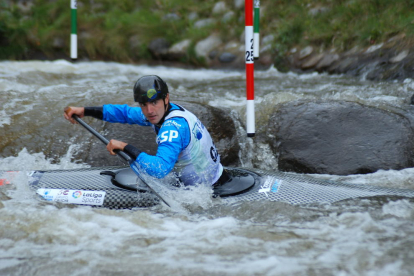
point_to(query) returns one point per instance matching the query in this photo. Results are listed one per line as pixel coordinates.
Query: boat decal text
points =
(73, 196)
(271, 185)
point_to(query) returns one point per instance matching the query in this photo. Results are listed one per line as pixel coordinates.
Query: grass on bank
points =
(122, 30)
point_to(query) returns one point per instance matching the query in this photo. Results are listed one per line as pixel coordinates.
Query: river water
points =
(353, 237)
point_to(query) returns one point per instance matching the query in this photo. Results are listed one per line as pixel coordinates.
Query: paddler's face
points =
(154, 111)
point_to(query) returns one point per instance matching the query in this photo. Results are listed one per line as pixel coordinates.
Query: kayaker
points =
(184, 144)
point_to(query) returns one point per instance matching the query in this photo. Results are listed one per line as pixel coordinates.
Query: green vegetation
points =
(122, 30)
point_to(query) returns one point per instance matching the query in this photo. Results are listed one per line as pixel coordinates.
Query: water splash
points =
(26, 161)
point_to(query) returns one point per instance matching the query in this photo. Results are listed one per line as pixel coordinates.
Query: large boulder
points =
(217, 121)
(338, 137)
(159, 48)
(205, 46)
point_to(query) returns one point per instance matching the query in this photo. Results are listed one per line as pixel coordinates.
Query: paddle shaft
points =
(120, 153)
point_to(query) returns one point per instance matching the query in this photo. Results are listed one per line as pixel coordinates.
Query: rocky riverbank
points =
(392, 60)
(337, 38)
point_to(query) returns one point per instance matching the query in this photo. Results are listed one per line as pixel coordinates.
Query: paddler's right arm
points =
(110, 113)
(95, 111)
(124, 114)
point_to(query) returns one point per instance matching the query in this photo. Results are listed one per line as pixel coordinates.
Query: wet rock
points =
(217, 121)
(344, 65)
(179, 49)
(327, 61)
(408, 64)
(204, 23)
(192, 16)
(337, 137)
(159, 48)
(219, 7)
(307, 51)
(376, 63)
(399, 57)
(205, 46)
(228, 17)
(238, 4)
(312, 61)
(233, 46)
(355, 50)
(227, 57)
(213, 54)
(396, 38)
(385, 71)
(373, 48)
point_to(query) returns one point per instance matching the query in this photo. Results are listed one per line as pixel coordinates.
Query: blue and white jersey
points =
(184, 144)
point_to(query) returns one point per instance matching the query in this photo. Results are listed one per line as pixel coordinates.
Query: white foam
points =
(400, 208)
(52, 88)
(7, 85)
(26, 161)
(4, 118)
(112, 68)
(383, 178)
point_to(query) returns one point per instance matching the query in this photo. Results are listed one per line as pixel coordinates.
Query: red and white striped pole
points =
(250, 121)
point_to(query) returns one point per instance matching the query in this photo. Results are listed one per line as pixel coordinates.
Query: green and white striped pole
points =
(73, 33)
(256, 27)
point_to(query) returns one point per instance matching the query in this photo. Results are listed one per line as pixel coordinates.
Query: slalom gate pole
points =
(73, 33)
(250, 120)
(256, 28)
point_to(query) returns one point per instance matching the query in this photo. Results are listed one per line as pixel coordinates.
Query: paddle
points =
(122, 154)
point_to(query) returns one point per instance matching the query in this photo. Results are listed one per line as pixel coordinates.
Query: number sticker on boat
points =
(81, 197)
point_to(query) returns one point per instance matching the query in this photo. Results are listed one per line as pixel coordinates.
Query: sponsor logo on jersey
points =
(168, 135)
(198, 130)
(213, 153)
(171, 123)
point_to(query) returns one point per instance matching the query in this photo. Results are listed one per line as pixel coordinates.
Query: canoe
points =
(119, 188)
